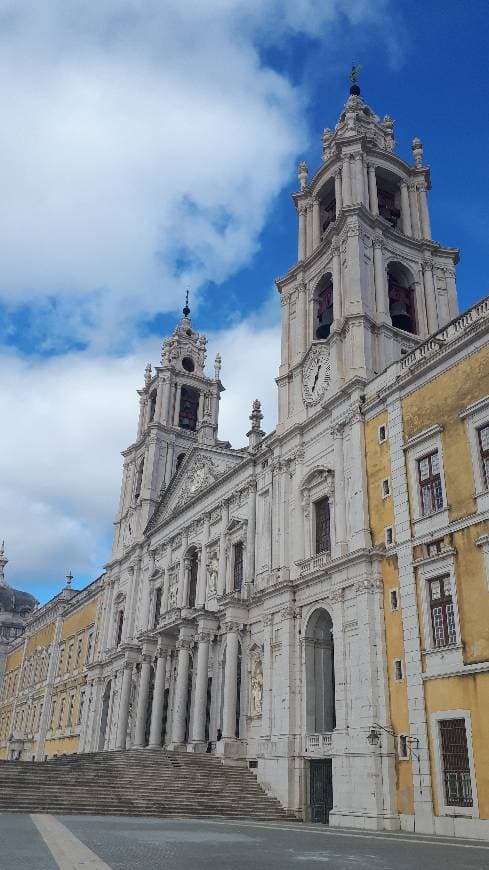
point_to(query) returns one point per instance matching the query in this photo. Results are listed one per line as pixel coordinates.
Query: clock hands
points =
(316, 378)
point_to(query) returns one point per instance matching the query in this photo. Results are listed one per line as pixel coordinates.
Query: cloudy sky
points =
(147, 146)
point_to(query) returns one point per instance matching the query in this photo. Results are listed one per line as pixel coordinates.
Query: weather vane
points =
(186, 310)
(355, 70)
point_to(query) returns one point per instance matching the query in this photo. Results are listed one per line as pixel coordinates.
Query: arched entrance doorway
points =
(320, 711)
(104, 715)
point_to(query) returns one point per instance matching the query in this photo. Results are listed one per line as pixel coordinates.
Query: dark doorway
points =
(321, 790)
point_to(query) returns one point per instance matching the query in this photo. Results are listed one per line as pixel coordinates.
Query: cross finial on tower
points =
(354, 73)
(69, 578)
(186, 310)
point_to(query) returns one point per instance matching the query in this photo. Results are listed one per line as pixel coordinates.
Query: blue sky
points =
(139, 158)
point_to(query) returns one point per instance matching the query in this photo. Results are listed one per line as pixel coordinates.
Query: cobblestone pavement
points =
(120, 843)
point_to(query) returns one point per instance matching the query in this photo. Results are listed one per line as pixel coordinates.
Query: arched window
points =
(189, 406)
(401, 294)
(388, 197)
(327, 205)
(322, 523)
(238, 566)
(139, 480)
(152, 406)
(324, 306)
(320, 680)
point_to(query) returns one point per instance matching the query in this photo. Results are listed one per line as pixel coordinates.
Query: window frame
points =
(398, 670)
(439, 660)
(430, 484)
(238, 546)
(445, 809)
(324, 499)
(476, 417)
(442, 603)
(417, 448)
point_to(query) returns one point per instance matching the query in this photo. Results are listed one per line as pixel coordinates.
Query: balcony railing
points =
(314, 563)
(319, 744)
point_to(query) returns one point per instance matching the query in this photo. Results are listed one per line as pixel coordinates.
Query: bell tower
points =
(178, 408)
(370, 282)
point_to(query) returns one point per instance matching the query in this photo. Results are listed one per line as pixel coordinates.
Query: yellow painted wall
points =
(41, 638)
(473, 594)
(440, 402)
(79, 620)
(381, 510)
(14, 659)
(468, 692)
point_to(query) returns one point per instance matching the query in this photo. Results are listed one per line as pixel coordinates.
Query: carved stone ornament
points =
(316, 375)
(212, 573)
(202, 473)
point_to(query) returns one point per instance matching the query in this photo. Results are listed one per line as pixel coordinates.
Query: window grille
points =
(442, 612)
(323, 536)
(484, 450)
(238, 566)
(430, 491)
(455, 759)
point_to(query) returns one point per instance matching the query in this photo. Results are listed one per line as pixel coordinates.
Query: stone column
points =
(250, 536)
(142, 414)
(133, 600)
(405, 210)
(284, 333)
(452, 293)
(335, 250)
(359, 195)
(346, 182)
(301, 254)
(199, 702)
(424, 212)
(221, 585)
(298, 518)
(230, 682)
(372, 190)
(267, 675)
(181, 691)
(339, 491)
(142, 705)
(124, 706)
(301, 338)
(143, 622)
(163, 405)
(178, 395)
(309, 230)
(316, 223)
(338, 192)
(413, 203)
(202, 579)
(109, 599)
(430, 296)
(182, 573)
(158, 698)
(381, 300)
(359, 521)
(48, 690)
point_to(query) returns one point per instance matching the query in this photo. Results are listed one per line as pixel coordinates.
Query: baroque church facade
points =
(274, 604)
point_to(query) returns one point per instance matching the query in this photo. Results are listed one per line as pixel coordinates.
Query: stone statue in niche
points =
(212, 574)
(257, 689)
(173, 591)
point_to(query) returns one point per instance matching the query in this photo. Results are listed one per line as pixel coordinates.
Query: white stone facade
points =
(233, 616)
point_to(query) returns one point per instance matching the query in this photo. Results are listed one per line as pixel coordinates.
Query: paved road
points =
(117, 843)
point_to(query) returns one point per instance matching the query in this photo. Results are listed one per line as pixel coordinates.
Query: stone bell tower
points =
(179, 408)
(369, 282)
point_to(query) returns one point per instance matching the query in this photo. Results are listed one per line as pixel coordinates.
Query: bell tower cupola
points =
(178, 408)
(370, 282)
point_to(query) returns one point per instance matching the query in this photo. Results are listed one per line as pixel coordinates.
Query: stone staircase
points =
(136, 782)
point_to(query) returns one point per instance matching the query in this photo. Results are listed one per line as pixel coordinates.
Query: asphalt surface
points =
(122, 843)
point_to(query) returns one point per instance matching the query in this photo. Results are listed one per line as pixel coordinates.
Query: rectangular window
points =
(88, 655)
(484, 452)
(323, 537)
(60, 660)
(386, 488)
(403, 746)
(455, 760)
(434, 548)
(53, 713)
(238, 566)
(69, 656)
(69, 721)
(398, 674)
(157, 612)
(442, 612)
(80, 706)
(78, 652)
(394, 599)
(382, 434)
(430, 491)
(61, 709)
(389, 536)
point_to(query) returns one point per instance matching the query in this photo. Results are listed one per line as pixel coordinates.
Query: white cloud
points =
(69, 418)
(138, 135)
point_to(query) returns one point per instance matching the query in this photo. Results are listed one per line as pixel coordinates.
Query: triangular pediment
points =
(201, 469)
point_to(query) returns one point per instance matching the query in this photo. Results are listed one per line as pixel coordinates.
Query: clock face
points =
(315, 376)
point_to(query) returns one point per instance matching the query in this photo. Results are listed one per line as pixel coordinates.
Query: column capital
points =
(427, 265)
(230, 627)
(184, 643)
(378, 241)
(203, 637)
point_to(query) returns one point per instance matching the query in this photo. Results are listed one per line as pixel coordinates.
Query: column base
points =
(231, 747)
(364, 821)
(197, 746)
(177, 747)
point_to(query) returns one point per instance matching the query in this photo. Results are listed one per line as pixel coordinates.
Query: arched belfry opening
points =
(324, 306)
(327, 205)
(401, 292)
(189, 406)
(320, 680)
